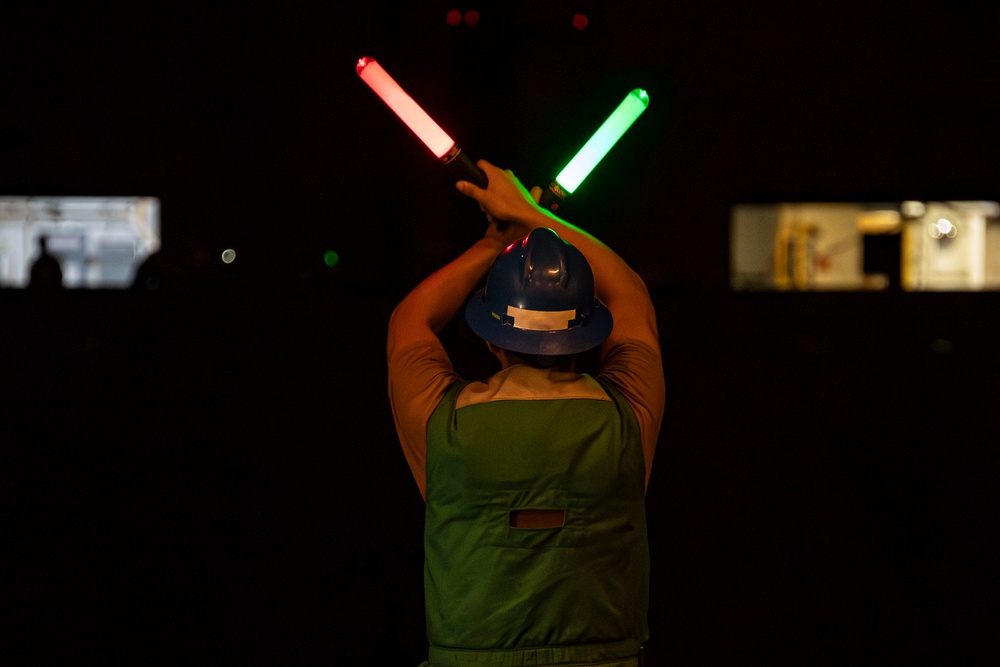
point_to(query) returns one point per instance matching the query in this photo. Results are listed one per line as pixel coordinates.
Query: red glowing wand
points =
(429, 132)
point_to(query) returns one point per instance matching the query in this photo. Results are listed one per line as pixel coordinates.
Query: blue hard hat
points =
(539, 299)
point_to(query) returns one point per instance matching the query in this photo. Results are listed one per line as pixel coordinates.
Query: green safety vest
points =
(493, 587)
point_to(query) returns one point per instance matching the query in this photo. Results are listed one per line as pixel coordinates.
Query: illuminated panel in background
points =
(99, 242)
(914, 245)
(403, 105)
(606, 136)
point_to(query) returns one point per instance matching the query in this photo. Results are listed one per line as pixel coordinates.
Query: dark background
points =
(209, 469)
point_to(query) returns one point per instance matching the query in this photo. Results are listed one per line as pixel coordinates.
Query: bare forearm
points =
(618, 286)
(506, 199)
(437, 299)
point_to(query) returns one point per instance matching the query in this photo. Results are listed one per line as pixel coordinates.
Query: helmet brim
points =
(490, 328)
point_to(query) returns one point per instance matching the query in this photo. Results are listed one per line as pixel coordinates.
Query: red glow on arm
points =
(580, 21)
(454, 17)
(403, 105)
(471, 18)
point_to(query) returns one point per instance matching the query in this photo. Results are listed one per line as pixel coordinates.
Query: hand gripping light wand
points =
(429, 132)
(595, 149)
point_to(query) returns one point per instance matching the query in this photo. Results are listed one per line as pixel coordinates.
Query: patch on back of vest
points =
(537, 518)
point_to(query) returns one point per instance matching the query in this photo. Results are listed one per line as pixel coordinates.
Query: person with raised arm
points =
(534, 478)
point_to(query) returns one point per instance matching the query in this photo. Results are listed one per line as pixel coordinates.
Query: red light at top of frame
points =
(580, 21)
(454, 17)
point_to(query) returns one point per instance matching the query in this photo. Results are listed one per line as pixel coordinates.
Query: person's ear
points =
(498, 352)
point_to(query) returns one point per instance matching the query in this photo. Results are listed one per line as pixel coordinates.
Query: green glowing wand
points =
(595, 149)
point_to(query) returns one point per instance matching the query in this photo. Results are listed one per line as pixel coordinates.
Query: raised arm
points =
(618, 286)
(630, 356)
(420, 371)
(437, 299)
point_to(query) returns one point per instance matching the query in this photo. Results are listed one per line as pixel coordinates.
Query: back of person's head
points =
(539, 301)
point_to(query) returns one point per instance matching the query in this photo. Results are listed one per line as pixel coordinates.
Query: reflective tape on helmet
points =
(540, 320)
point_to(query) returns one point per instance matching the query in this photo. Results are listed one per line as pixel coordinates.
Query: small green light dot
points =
(331, 258)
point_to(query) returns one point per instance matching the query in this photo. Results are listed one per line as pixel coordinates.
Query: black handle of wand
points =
(466, 166)
(552, 197)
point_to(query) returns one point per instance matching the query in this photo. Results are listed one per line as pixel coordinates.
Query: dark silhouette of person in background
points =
(46, 272)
